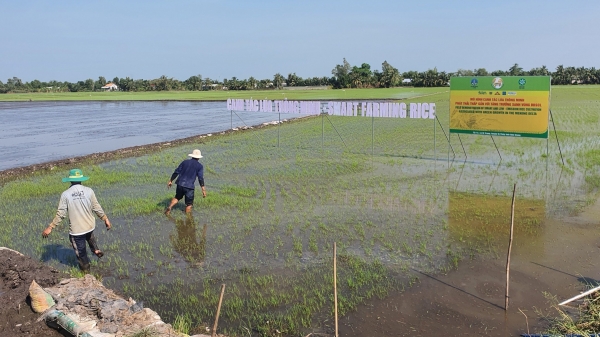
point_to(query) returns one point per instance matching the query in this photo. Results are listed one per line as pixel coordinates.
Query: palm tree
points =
(278, 81)
(559, 76)
(252, 83)
(515, 70)
(162, 83)
(207, 84)
(293, 80)
(390, 76)
(194, 82)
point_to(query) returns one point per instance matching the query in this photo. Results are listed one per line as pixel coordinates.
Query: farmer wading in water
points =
(80, 203)
(187, 171)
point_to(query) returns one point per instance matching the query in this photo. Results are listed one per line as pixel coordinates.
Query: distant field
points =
(387, 93)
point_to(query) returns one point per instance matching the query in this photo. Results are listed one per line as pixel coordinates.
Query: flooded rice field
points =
(421, 229)
(36, 132)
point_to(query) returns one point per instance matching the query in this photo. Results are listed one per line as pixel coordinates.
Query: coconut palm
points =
(278, 81)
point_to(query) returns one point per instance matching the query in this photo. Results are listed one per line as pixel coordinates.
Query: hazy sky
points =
(76, 40)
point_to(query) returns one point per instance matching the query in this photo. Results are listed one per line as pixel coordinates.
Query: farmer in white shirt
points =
(80, 203)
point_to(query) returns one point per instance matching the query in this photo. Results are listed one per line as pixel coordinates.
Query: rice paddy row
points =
(382, 189)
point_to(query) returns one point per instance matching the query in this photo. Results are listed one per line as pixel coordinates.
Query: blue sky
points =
(76, 40)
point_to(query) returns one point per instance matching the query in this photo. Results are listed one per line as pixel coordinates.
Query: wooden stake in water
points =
(512, 222)
(335, 288)
(214, 332)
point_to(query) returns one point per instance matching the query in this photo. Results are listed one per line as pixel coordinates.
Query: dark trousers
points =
(78, 243)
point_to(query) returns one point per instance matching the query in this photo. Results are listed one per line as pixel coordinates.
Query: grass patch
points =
(182, 324)
(239, 191)
(145, 332)
(584, 322)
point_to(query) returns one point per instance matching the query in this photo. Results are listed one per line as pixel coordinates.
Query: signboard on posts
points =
(516, 106)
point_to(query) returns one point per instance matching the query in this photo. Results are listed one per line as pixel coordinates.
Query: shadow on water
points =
(163, 204)
(185, 240)
(454, 287)
(59, 253)
(588, 281)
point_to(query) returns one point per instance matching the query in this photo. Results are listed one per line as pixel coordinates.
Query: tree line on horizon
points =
(343, 76)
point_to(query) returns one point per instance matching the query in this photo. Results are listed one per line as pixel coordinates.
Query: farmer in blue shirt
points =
(187, 171)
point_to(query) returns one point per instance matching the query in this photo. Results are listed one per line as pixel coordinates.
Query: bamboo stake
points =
(335, 304)
(512, 222)
(214, 332)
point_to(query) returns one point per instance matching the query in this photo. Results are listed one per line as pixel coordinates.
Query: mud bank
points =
(16, 273)
(85, 300)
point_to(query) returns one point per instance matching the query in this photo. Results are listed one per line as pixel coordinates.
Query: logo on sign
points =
(497, 83)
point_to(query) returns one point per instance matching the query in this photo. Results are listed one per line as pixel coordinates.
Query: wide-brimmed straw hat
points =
(196, 154)
(75, 175)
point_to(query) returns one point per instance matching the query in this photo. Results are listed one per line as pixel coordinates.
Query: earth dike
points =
(95, 310)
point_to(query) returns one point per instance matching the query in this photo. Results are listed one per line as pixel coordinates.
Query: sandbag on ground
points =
(40, 299)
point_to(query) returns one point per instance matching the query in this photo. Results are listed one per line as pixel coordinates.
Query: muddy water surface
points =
(470, 301)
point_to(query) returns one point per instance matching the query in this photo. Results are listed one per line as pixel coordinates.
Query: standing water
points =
(37, 132)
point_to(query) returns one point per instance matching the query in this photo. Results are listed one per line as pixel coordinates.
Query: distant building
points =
(110, 87)
(407, 81)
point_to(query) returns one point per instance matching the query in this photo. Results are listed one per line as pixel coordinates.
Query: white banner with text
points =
(336, 108)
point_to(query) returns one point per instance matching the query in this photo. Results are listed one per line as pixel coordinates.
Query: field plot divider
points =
(547, 152)
(496, 147)
(335, 303)
(434, 144)
(463, 147)
(510, 240)
(494, 177)
(252, 129)
(449, 143)
(557, 142)
(322, 131)
(336, 131)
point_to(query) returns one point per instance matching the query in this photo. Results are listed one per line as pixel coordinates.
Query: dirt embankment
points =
(96, 310)
(133, 151)
(16, 273)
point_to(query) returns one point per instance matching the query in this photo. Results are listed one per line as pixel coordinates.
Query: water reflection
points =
(485, 218)
(185, 241)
